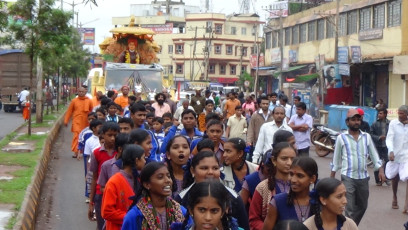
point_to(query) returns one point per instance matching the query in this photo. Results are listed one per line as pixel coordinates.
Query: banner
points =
(275, 55)
(332, 77)
(87, 35)
(293, 56)
(278, 9)
(253, 63)
(160, 29)
(344, 69)
(342, 56)
(355, 54)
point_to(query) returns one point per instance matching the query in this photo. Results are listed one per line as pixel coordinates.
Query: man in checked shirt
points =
(350, 156)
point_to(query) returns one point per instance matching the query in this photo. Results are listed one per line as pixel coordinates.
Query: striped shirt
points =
(350, 155)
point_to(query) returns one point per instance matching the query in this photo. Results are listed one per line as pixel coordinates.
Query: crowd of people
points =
(237, 163)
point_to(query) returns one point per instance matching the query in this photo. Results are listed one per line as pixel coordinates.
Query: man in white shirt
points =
(22, 96)
(284, 102)
(293, 108)
(265, 138)
(301, 123)
(397, 144)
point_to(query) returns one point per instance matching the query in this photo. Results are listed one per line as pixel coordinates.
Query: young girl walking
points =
(295, 205)
(177, 155)
(278, 164)
(329, 200)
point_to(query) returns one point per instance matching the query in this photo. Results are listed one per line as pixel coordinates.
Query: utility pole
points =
(281, 48)
(207, 55)
(240, 61)
(336, 38)
(194, 50)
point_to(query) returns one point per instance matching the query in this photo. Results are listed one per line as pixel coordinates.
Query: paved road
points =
(63, 205)
(9, 122)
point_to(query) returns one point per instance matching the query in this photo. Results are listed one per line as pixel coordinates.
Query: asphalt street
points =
(63, 207)
(9, 122)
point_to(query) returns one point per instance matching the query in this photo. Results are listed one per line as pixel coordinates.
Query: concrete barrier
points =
(28, 212)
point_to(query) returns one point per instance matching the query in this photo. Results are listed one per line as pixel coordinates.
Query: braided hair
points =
(324, 188)
(168, 161)
(239, 145)
(273, 156)
(309, 166)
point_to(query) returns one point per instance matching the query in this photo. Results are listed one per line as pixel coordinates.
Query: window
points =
(295, 35)
(330, 32)
(233, 69)
(179, 48)
(274, 39)
(218, 28)
(179, 68)
(229, 49)
(217, 48)
(253, 31)
(303, 33)
(287, 36)
(208, 27)
(170, 49)
(211, 69)
(244, 51)
(320, 29)
(342, 25)
(311, 31)
(365, 18)
(243, 31)
(160, 49)
(233, 30)
(170, 67)
(352, 22)
(268, 40)
(379, 16)
(243, 69)
(222, 69)
(394, 13)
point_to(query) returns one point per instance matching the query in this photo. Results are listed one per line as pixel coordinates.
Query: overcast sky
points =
(100, 17)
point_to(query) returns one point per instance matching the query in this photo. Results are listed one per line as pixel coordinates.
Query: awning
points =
(224, 80)
(302, 78)
(290, 69)
(265, 68)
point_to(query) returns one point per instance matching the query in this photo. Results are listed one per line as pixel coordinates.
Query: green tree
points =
(245, 77)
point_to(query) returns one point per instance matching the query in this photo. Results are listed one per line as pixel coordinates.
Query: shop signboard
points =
(371, 34)
(253, 62)
(342, 56)
(344, 69)
(355, 54)
(278, 9)
(275, 55)
(160, 29)
(293, 56)
(87, 35)
(332, 77)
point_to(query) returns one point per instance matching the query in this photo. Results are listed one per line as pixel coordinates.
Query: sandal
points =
(395, 205)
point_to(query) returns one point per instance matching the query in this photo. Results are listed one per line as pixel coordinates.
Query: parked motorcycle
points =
(324, 139)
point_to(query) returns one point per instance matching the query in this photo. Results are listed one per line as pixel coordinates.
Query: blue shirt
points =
(174, 131)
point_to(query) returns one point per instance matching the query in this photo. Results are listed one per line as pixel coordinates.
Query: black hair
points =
(167, 124)
(278, 107)
(238, 107)
(240, 145)
(273, 94)
(137, 136)
(277, 149)
(264, 98)
(188, 111)
(150, 114)
(209, 102)
(131, 152)
(324, 188)
(127, 120)
(281, 136)
(290, 225)
(133, 98)
(213, 122)
(110, 125)
(188, 177)
(110, 93)
(284, 98)
(156, 97)
(301, 105)
(150, 109)
(105, 101)
(158, 119)
(214, 189)
(309, 166)
(205, 143)
(212, 116)
(169, 166)
(92, 114)
(101, 110)
(137, 107)
(94, 124)
(297, 98)
(167, 115)
(384, 110)
(111, 104)
(121, 140)
(146, 173)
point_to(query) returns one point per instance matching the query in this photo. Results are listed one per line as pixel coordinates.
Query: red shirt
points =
(99, 156)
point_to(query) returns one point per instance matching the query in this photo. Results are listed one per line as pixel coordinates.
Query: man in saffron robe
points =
(78, 109)
(123, 100)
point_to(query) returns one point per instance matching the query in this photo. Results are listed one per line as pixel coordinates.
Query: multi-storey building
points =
(372, 34)
(201, 46)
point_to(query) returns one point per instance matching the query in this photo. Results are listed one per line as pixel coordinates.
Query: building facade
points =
(370, 35)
